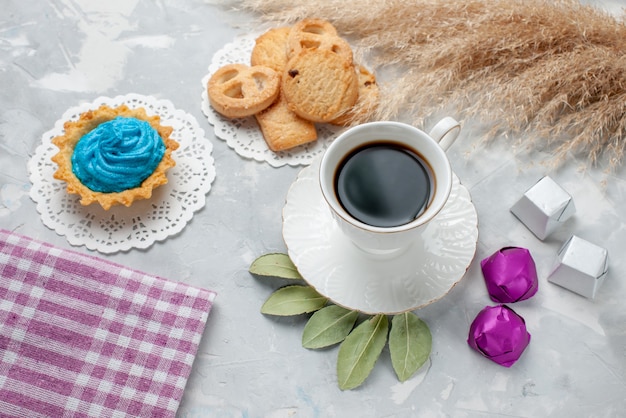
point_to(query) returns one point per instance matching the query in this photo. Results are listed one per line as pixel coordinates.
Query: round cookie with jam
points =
(114, 156)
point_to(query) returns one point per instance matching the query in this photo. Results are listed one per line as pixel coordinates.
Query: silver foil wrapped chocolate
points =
(581, 267)
(544, 207)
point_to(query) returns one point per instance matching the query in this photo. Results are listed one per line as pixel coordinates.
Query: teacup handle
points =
(445, 132)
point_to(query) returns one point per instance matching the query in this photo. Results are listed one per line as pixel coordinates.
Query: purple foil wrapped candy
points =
(499, 334)
(510, 275)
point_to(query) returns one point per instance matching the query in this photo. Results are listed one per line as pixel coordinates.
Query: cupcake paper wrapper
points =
(80, 336)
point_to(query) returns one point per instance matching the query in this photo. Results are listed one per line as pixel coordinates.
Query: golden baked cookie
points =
(238, 90)
(319, 85)
(283, 129)
(270, 49)
(316, 34)
(366, 103)
(109, 148)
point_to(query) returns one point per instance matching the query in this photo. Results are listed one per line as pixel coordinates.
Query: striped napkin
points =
(82, 337)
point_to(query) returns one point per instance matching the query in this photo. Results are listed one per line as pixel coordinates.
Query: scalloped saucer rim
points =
(319, 250)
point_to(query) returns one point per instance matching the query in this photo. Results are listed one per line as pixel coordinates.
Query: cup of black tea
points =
(384, 181)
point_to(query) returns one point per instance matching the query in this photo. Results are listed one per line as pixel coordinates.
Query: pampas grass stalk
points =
(550, 71)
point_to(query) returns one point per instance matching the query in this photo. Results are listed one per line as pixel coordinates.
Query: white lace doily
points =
(145, 221)
(243, 134)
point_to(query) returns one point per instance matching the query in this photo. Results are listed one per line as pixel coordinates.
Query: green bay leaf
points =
(328, 326)
(293, 300)
(275, 265)
(360, 350)
(410, 343)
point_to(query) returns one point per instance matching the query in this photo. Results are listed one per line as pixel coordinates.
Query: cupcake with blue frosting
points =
(114, 156)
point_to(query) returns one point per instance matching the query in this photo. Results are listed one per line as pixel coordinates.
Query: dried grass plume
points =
(554, 69)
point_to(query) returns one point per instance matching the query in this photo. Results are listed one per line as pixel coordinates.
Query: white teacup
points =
(389, 240)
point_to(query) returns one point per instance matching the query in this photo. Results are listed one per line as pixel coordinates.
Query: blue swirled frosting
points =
(117, 155)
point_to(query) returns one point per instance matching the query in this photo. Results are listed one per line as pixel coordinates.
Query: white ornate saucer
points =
(337, 269)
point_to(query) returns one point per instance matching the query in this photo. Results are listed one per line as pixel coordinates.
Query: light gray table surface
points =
(56, 54)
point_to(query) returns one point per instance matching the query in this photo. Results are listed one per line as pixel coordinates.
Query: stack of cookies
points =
(298, 76)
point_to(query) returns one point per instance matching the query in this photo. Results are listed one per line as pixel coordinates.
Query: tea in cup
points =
(384, 181)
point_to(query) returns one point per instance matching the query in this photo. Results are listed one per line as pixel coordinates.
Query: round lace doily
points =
(243, 134)
(145, 221)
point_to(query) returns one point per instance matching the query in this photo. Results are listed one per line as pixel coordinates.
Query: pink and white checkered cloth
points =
(82, 337)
